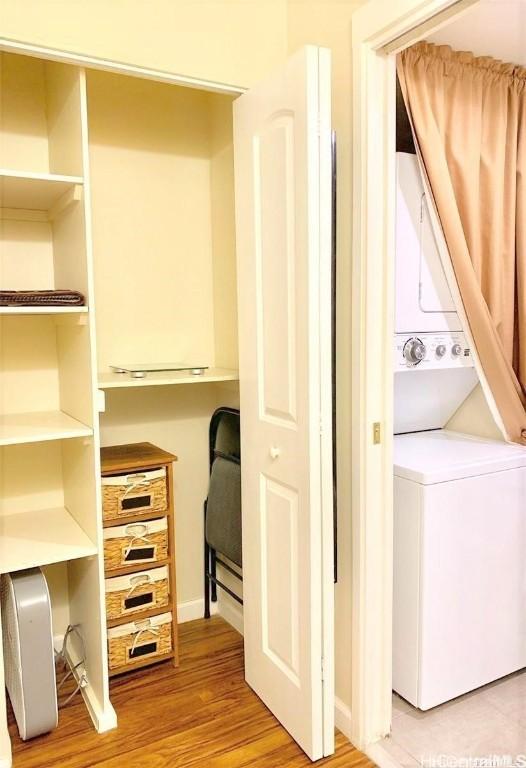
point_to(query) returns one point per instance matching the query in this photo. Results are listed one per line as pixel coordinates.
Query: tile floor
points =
(489, 721)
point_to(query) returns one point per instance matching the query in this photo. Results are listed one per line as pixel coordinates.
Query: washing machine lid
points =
(441, 455)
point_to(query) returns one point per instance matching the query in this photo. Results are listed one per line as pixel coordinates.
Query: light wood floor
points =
(202, 714)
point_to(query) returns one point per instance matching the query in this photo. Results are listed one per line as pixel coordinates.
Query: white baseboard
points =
(190, 610)
(377, 752)
(342, 717)
(231, 612)
(380, 755)
(227, 609)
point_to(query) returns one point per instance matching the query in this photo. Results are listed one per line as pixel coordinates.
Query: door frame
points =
(380, 29)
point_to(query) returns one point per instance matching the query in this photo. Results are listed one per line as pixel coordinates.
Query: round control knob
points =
(456, 350)
(440, 351)
(414, 351)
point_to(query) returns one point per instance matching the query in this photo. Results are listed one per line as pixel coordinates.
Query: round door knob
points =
(274, 452)
(456, 350)
(414, 351)
(440, 350)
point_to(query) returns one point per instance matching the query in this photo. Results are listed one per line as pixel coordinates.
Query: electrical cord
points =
(73, 671)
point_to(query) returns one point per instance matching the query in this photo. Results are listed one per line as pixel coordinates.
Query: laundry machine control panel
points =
(427, 351)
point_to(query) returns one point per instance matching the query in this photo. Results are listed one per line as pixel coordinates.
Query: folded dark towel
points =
(41, 298)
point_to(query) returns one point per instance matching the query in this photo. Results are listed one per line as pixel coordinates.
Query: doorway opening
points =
(459, 639)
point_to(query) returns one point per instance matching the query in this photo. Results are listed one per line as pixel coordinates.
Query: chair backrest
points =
(223, 511)
(224, 437)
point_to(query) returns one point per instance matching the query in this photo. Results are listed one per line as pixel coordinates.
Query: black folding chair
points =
(222, 508)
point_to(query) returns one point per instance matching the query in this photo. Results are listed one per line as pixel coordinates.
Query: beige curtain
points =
(469, 118)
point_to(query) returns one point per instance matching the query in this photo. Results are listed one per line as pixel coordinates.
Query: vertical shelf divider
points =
(87, 597)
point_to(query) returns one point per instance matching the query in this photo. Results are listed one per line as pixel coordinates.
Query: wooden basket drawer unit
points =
(136, 592)
(134, 493)
(138, 641)
(136, 543)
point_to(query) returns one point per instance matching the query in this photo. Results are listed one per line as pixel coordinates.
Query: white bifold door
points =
(282, 142)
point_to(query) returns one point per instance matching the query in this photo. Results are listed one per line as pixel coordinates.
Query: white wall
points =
(490, 28)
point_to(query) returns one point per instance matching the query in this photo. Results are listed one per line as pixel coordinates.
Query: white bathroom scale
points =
(140, 370)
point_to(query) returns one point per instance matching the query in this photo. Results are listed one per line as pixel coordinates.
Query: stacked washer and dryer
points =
(459, 501)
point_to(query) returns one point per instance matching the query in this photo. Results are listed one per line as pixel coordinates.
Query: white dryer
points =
(433, 367)
(423, 300)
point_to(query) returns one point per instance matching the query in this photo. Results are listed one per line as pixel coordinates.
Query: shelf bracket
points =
(72, 195)
(80, 319)
(101, 401)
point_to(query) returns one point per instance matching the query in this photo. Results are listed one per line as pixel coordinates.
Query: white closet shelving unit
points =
(39, 426)
(42, 192)
(7, 311)
(158, 252)
(49, 438)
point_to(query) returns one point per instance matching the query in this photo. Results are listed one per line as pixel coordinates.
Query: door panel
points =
(274, 252)
(282, 142)
(279, 526)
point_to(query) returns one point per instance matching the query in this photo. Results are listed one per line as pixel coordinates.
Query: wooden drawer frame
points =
(134, 458)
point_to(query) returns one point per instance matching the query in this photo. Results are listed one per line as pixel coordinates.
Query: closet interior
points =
(121, 189)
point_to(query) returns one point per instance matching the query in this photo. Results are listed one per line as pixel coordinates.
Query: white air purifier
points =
(29, 657)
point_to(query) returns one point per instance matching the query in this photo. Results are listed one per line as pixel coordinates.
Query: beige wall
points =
(474, 417)
(229, 41)
(223, 231)
(151, 200)
(328, 23)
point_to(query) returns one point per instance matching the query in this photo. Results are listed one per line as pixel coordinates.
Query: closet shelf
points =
(43, 310)
(29, 539)
(36, 191)
(159, 378)
(16, 428)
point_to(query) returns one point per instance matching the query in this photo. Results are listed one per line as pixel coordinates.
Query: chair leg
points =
(207, 581)
(213, 587)
(206, 572)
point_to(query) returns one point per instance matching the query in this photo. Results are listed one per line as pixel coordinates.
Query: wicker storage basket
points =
(136, 543)
(137, 592)
(134, 494)
(139, 640)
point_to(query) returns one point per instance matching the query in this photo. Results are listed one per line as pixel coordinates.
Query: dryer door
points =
(435, 295)
(423, 300)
